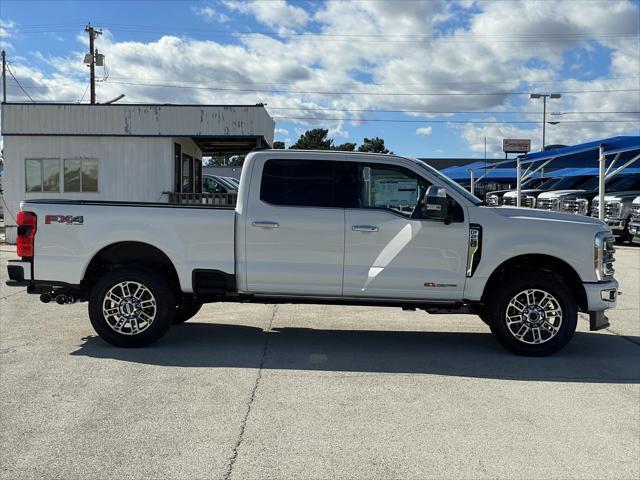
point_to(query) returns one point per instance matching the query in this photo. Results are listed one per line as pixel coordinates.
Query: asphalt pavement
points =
(297, 392)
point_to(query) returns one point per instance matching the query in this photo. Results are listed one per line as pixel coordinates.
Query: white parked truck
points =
(326, 228)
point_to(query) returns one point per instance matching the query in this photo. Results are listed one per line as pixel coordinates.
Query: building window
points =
(80, 175)
(42, 175)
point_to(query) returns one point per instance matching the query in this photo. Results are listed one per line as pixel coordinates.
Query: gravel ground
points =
(259, 391)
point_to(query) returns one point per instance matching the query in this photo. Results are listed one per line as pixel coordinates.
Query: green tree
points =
(345, 147)
(278, 145)
(373, 145)
(315, 139)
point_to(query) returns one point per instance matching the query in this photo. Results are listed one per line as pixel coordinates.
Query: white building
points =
(119, 152)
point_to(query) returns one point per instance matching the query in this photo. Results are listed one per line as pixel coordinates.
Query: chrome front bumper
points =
(615, 224)
(601, 296)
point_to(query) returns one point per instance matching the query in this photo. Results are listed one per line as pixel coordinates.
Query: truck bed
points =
(70, 233)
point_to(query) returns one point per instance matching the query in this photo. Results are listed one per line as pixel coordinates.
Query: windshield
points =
(549, 183)
(532, 183)
(627, 182)
(568, 183)
(615, 184)
(447, 182)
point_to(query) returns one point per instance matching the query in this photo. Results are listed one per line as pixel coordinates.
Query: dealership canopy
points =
(610, 155)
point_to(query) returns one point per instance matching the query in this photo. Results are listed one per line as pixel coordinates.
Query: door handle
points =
(265, 224)
(364, 228)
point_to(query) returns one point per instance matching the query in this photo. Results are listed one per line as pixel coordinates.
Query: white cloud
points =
(209, 13)
(5, 25)
(424, 131)
(377, 41)
(276, 13)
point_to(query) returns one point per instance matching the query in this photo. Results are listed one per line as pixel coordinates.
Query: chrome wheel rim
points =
(129, 308)
(534, 316)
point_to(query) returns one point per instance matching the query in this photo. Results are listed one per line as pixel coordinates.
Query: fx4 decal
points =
(64, 219)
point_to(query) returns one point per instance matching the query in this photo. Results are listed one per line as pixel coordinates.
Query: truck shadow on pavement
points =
(590, 357)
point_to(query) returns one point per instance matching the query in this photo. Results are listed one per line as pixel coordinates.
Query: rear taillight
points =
(27, 226)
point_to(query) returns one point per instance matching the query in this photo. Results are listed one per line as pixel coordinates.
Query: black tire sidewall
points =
(186, 310)
(513, 285)
(165, 306)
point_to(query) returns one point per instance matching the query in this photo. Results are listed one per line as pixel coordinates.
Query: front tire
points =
(186, 310)
(131, 307)
(533, 313)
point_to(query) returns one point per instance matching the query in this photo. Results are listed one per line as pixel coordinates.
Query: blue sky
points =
(397, 70)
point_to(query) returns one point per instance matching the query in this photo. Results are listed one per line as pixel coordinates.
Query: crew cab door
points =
(294, 236)
(390, 252)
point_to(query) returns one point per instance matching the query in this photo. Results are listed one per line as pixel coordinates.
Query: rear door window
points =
(298, 183)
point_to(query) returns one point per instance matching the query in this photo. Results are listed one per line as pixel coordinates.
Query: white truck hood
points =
(548, 216)
(559, 193)
(512, 193)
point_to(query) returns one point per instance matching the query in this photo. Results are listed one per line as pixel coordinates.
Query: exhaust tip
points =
(62, 299)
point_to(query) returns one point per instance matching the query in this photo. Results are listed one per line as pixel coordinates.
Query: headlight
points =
(529, 201)
(603, 256)
(492, 200)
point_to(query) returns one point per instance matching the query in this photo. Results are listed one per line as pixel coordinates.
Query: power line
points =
(251, 83)
(449, 112)
(9, 69)
(482, 122)
(335, 37)
(314, 92)
(163, 28)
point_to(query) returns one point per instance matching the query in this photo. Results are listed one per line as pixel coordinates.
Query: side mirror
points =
(435, 205)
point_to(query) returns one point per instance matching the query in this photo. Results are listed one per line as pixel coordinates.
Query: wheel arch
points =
(129, 253)
(538, 262)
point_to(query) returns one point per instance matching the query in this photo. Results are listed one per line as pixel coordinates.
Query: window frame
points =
(264, 165)
(418, 172)
(404, 169)
(81, 189)
(40, 161)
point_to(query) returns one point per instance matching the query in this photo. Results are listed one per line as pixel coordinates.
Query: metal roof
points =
(249, 121)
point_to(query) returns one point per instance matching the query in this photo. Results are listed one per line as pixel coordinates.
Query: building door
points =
(187, 173)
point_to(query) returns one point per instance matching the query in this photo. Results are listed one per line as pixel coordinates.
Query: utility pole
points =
(93, 34)
(4, 77)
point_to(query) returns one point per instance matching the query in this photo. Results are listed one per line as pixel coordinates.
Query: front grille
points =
(513, 201)
(611, 209)
(493, 200)
(547, 204)
(578, 206)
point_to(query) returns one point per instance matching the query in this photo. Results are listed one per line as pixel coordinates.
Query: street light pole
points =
(544, 118)
(544, 97)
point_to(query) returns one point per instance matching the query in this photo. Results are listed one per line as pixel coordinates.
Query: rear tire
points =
(131, 307)
(532, 313)
(186, 310)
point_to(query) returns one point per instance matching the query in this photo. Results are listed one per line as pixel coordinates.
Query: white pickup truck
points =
(328, 228)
